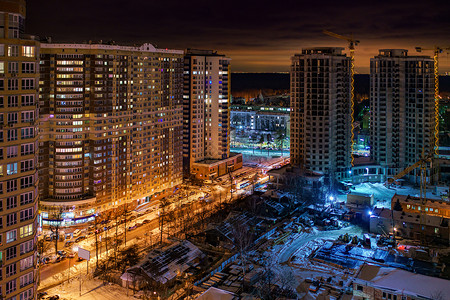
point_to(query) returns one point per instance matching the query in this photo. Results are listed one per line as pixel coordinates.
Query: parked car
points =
(132, 228)
(71, 255)
(146, 221)
(62, 253)
(68, 243)
(59, 258)
(45, 260)
(80, 238)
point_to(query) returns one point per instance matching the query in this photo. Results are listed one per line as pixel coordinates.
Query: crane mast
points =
(436, 51)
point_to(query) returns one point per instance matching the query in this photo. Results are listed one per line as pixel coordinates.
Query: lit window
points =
(26, 230)
(28, 51)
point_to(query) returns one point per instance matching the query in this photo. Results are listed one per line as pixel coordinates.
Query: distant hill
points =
(280, 81)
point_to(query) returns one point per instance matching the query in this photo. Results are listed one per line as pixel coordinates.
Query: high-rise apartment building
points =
(402, 110)
(206, 116)
(19, 75)
(320, 111)
(111, 127)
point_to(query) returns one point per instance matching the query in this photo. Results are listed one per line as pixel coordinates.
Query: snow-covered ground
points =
(294, 253)
(91, 289)
(383, 195)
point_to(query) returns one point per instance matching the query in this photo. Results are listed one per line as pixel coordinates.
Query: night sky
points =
(259, 36)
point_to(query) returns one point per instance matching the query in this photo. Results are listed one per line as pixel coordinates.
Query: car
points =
(45, 260)
(89, 234)
(132, 218)
(68, 243)
(80, 238)
(146, 221)
(62, 253)
(41, 295)
(71, 255)
(59, 258)
(132, 228)
(139, 224)
(54, 297)
(80, 259)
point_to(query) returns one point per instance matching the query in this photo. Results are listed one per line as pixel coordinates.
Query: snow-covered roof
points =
(216, 294)
(163, 265)
(401, 281)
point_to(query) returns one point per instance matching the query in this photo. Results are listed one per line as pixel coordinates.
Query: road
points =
(218, 192)
(49, 270)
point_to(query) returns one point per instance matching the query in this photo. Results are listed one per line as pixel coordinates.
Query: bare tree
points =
(286, 278)
(242, 240)
(43, 246)
(55, 226)
(96, 240)
(265, 284)
(163, 207)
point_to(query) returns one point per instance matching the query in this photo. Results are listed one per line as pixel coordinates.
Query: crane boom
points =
(351, 46)
(404, 172)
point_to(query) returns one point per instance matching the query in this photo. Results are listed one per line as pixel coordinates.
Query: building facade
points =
(402, 110)
(19, 76)
(111, 128)
(320, 111)
(206, 116)
(260, 118)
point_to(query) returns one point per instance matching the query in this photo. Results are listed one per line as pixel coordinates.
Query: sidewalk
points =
(91, 289)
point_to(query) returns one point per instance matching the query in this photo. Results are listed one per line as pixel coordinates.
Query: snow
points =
(383, 195)
(91, 289)
(409, 283)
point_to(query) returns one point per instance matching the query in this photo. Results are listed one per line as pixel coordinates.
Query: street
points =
(217, 193)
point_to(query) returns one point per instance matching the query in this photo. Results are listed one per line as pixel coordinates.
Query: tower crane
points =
(351, 46)
(436, 50)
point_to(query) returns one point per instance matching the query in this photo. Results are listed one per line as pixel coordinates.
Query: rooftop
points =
(165, 264)
(404, 282)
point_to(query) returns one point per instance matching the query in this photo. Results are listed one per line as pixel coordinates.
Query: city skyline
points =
(258, 37)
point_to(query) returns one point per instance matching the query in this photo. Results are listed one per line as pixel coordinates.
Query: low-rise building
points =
(260, 118)
(360, 200)
(410, 225)
(375, 282)
(431, 207)
(161, 266)
(208, 169)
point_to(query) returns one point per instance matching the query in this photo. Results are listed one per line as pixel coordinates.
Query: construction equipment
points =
(423, 165)
(351, 46)
(436, 50)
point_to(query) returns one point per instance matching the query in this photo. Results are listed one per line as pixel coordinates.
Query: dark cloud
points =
(258, 35)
